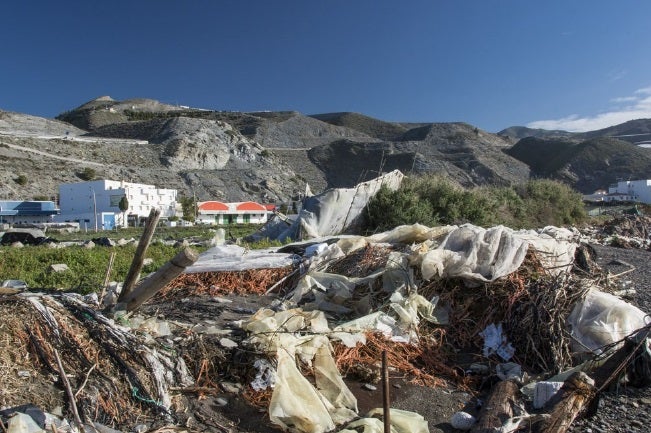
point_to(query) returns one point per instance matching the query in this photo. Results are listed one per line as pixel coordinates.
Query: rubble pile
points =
(624, 231)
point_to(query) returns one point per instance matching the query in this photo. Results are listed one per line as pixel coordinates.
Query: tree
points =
(124, 206)
(189, 207)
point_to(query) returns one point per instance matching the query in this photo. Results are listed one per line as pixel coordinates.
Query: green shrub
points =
(433, 200)
(21, 179)
(87, 173)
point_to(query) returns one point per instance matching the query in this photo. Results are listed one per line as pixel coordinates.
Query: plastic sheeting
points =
(336, 210)
(483, 255)
(296, 404)
(236, 258)
(402, 421)
(602, 319)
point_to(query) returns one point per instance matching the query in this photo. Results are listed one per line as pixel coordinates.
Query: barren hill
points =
(587, 165)
(271, 156)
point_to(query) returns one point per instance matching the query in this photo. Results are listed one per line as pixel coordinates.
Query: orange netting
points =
(423, 364)
(252, 281)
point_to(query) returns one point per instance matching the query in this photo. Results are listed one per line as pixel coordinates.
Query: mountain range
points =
(273, 157)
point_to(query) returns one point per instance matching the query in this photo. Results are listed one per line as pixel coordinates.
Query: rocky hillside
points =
(272, 156)
(586, 165)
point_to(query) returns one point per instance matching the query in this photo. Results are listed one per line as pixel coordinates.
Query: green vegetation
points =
(87, 267)
(435, 200)
(21, 179)
(189, 208)
(87, 174)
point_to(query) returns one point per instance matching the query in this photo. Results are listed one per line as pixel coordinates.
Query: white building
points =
(96, 204)
(218, 213)
(630, 190)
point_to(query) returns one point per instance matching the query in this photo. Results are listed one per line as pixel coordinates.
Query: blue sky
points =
(570, 64)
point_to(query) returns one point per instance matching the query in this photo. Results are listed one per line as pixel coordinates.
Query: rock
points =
(369, 387)
(148, 261)
(89, 245)
(221, 401)
(462, 420)
(17, 245)
(58, 267)
(230, 387)
(227, 343)
(141, 428)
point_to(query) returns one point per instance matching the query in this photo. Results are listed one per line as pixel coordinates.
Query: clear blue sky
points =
(575, 64)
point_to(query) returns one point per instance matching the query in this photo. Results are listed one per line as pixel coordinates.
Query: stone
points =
(227, 343)
(58, 267)
(221, 401)
(230, 387)
(369, 387)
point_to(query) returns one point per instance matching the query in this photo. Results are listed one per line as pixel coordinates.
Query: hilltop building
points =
(27, 212)
(218, 213)
(96, 204)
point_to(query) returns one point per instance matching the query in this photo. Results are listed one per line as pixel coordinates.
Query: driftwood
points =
(154, 283)
(575, 395)
(498, 408)
(139, 257)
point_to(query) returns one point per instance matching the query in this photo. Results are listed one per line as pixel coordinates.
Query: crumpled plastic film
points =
(297, 405)
(601, 319)
(402, 421)
(476, 254)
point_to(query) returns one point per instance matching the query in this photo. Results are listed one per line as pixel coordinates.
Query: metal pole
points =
(94, 207)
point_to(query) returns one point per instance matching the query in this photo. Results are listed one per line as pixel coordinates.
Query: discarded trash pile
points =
(625, 231)
(447, 306)
(118, 379)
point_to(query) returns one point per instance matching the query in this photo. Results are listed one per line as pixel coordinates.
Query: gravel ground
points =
(626, 409)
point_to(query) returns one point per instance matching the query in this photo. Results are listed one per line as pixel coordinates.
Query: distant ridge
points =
(272, 156)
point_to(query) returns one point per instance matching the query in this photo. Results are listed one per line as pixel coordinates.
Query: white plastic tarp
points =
(482, 255)
(337, 210)
(236, 258)
(602, 319)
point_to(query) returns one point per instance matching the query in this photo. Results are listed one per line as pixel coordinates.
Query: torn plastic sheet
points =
(495, 342)
(475, 253)
(409, 310)
(265, 377)
(296, 404)
(482, 255)
(602, 319)
(402, 421)
(236, 258)
(337, 210)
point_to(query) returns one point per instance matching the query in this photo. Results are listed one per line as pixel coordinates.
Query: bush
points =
(433, 200)
(87, 174)
(21, 179)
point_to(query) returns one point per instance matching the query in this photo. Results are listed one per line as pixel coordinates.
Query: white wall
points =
(89, 202)
(640, 190)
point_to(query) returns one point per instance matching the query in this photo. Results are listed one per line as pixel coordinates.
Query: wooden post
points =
(139, 257)
(577, 391)
(107, 277)
(385, 393)
(498, 407)
(151, 285)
